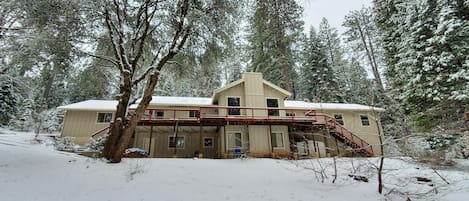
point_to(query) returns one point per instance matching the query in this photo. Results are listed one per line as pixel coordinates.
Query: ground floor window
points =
(365, 120)
(208, 142)
(234, 140)
(277, 140)
(176, 142)
(104, 117)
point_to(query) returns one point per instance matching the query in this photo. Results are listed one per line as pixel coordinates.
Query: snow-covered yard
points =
(35, 171)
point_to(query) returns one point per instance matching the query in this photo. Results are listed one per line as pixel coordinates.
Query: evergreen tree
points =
(429, 71)
(363, 36)
(275, 28)
(317, 82)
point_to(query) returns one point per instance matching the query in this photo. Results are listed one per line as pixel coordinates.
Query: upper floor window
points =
(193, 113)
(273, 102)
(234, 102)
(339, 119)
(365, 120)
(146, 115)
(158, 114)
(104, 117)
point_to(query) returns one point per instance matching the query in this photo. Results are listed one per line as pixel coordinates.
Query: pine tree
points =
(275, 28)
(318, 82)
(362, 34)
(428, 69)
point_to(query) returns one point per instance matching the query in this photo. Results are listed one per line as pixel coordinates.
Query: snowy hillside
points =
(35, 171)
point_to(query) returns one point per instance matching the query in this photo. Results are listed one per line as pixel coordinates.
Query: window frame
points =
(104, 117)
(228, 105)
(276, 112)
(154, 114)
(341, 118)
(176, 147)
(282, 137)
(192, 112)
(367, 119)
(211, 146)
(228, 140)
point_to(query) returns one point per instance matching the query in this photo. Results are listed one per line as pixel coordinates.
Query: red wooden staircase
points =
(339, 132)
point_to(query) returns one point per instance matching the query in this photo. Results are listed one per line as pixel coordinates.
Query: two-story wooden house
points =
(250, 116)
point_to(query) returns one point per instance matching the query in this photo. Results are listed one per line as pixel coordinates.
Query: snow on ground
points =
(35, 171)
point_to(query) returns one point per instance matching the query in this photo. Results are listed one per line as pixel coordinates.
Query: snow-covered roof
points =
(330, 106)
(95, 105)
(177, 101)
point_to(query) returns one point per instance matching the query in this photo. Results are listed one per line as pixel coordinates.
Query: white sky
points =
(333, 10)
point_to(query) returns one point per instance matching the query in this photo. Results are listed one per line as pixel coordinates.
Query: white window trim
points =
(212, 142)
(227, 140)
(196, 115)
(240, 103)
(97, 114)
(361, 122)
(283, 139)
(343, 119)
(169, 140)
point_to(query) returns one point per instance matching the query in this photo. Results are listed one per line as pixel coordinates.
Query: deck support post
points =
(149, 143)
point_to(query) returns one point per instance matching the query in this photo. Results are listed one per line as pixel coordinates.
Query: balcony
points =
(221, 115)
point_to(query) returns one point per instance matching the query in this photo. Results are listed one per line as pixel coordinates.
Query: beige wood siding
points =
(236, 91)
(192, 141)
(82, 124)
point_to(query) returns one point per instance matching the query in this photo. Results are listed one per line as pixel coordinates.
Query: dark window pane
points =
(234, 102)
(365, 120)
(273, 103)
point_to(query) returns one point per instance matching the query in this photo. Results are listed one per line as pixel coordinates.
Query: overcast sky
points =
(333, 10)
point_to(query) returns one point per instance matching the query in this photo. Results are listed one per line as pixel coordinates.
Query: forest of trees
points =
(410, 57)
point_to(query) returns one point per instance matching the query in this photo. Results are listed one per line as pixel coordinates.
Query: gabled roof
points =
(226, 87)
(283, 91)
(92, 105)
(240, 81)
(330, 106)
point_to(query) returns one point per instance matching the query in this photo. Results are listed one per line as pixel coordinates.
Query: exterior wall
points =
(272, 93)
(82, 124)
(236, 91)
(256, 140)
(353, 123)
(192, 142)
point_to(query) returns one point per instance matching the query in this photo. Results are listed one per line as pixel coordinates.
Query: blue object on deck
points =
(237, 151)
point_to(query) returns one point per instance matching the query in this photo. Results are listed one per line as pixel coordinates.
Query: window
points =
(234, 102)
(234, 140)
(339, 119)
(208, 142)
(193, 113)
(277, 140)
(176, 142)
(365, 120)
(158, 114)
(104, 117)
(146, 115)
(271, 102)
